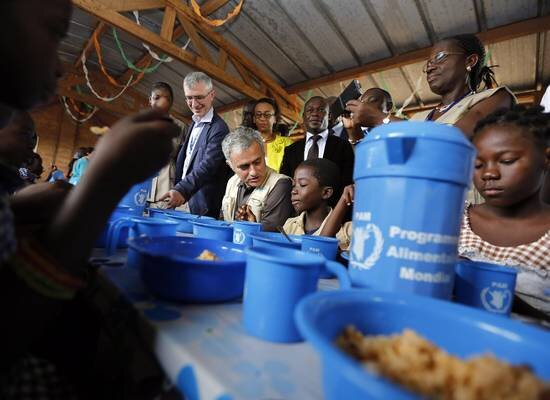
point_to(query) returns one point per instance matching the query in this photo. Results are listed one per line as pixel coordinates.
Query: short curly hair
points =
(532, 119)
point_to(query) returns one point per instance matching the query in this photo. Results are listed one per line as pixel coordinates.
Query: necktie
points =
(313, 152)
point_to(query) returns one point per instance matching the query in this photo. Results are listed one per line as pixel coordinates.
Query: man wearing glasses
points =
(201, 172)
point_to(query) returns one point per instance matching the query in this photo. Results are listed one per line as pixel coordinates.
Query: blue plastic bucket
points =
(242, 231)
(411, 180)
(275, 240)
(212, 229)
(323, 245)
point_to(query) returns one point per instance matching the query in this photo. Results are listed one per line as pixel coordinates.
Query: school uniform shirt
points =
(296, 225)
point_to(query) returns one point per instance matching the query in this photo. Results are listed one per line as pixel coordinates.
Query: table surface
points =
(205, 352)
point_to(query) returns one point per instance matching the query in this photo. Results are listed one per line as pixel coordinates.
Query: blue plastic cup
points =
(185, 219)
(140, 226)
(212, 229)
(118, 213)
(275, 281)
(242, 231)
(276, 240)
(323, 245)
(485, 285)
(137, 195)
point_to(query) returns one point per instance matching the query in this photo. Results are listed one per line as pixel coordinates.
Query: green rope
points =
(130, 63)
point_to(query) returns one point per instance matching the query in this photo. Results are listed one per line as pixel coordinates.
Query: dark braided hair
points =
(480, 72)
(532, 119)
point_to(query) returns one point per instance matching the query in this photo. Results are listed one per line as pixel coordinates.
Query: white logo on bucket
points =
(140, 197)
(238, 236)
(360, 236)
(496, 300)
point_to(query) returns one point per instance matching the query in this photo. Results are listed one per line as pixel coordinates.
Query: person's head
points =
(266, 114)
(30, 34)
(513, 155)
(248, 114)
(18, 139)
(315, 115)
(162, 97)
(315, 183)
(35, 165)
(380, 98)
(199, 93)
(458, 60)
(244, 153)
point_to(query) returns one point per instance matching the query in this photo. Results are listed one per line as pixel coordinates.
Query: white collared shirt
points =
(321, 143)
(194, 137)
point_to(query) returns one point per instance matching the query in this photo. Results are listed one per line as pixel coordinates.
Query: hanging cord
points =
(217, 22)
(89, 84)
(164, 59)
(76, 119)
(102, 66)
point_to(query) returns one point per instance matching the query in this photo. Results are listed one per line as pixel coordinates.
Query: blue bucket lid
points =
(416, 149)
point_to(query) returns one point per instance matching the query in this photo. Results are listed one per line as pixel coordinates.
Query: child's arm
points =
(132, 151)
(336, 218)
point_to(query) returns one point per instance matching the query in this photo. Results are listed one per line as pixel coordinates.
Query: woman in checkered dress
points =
(512, 227)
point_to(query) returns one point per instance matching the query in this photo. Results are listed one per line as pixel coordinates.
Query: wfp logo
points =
(140, 197)
(496, 300)
(366, 246)
(238, 236)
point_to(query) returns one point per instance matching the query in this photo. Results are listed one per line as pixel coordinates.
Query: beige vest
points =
(257, 198)
(453, 115)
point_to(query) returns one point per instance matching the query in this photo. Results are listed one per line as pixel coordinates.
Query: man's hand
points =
(173, 199)
(364, 113)
(244, 213)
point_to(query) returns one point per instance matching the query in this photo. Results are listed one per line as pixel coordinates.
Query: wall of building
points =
(60, 136)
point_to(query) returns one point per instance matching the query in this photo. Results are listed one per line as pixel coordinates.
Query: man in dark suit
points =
(318, 143)
(201, 171)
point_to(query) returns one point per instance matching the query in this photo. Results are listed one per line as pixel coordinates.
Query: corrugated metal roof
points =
(297, 40)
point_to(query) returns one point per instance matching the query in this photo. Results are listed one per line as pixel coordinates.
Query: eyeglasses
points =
(438, 59)
(265, 115)
(199, 97)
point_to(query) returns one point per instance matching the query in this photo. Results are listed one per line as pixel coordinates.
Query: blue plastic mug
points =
(212, 229)
(485, 285)
(137, 195)
(185, 220)
(118, 213)
(242, 231)
(140, 226)
(323, 245)
(276, 280)
(275, 240)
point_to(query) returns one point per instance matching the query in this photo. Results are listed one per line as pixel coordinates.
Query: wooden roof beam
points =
(235, 53)
(101, 11)
(502, 33)
(99, 29)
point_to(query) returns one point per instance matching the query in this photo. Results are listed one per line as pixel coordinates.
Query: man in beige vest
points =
(256, 193)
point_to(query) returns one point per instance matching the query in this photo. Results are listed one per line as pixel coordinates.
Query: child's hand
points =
(348, 195)
(244, 213)
(135, 147)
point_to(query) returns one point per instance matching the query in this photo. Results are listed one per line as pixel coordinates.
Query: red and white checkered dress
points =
(532, 260)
